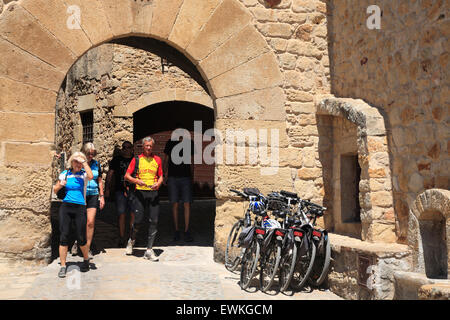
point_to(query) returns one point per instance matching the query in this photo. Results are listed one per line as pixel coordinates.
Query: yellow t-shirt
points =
(149, 171)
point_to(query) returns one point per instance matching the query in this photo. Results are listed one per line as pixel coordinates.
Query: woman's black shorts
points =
(92, 202)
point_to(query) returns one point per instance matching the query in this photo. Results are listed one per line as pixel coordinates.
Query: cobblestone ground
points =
(184, 271)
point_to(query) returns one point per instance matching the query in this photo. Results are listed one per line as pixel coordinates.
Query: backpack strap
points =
(136, 166)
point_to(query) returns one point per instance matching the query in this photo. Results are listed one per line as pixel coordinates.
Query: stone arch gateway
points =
(41, 39)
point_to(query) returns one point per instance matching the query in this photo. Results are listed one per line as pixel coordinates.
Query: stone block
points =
(267, 127)
(228, 19)
(238, 177)
(164, 15)
(244, 46)
(191, 17)
(94, 22)
(23, 231)
(27, 127)
(142, 18)
(22, 29)
(21, 66)
(407, 285)
(26, 187)
(120, 16)
(276, 30)
(18, 96)
(382, 232)
(260, 73)
(54, 16)
(266, 104)
(33, 155)
(382, 199)
(86, 103)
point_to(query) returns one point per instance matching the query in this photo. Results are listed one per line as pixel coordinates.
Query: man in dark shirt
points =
(179, 181)
(116, 173)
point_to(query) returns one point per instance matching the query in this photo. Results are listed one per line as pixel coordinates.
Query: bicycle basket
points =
(275, 204)
(246, 236)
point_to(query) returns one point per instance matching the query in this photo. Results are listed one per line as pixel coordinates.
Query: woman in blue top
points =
(94, 193)
(75, 180)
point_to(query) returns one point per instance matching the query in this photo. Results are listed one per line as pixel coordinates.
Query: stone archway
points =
(429, 233)
(41, 39)
(164, 95)
(375, 190)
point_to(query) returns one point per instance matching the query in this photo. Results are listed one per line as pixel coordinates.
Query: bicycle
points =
(233, 252)
(254, 239)
(323, 253)
(317, 246)
(280, 251)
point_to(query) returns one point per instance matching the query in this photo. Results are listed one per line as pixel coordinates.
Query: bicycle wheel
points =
(232, 251)
(249, 263)
(287, 267)
(303, 267)
(321, 263)
(270, 265)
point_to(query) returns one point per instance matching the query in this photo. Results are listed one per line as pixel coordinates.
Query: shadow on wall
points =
(433, 234)
(325, 129)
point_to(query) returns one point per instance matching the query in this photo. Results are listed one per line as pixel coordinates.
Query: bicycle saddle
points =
(252, 191)
(288, 194)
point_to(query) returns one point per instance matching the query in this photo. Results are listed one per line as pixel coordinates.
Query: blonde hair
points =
(72, 158)
(89, 146)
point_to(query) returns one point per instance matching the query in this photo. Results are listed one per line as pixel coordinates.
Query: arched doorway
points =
(158, 121)
(35, 64)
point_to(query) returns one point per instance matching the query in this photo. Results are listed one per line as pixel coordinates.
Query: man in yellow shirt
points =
(147, 175)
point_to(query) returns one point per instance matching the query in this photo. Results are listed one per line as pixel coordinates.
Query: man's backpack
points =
(132, 186)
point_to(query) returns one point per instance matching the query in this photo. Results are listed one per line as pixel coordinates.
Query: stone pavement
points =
(183, 272)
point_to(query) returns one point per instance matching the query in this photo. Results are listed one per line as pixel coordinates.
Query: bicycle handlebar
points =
(239, 193)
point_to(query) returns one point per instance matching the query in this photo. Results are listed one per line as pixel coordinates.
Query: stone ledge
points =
(380, 249)
(438, 291)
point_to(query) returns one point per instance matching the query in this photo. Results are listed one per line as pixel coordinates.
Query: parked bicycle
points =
(280, 250)
(247, 235)
(314, 245)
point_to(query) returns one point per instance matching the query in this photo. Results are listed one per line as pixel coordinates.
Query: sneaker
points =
(129, 249)
(188, 237)
(176, 236)
(150, 255)
(85, 266)
(62, 272)
(74, 250)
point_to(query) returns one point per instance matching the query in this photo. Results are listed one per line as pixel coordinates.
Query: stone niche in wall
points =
(429, 233)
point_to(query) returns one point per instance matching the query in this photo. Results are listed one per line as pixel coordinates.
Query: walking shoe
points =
(74, 250)
(62, 272)
(176, 236)
(129, 249)
(150, 255)
(188, 237)
(85, 266)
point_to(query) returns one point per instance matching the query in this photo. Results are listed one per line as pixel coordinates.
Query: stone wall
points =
(402, 70)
